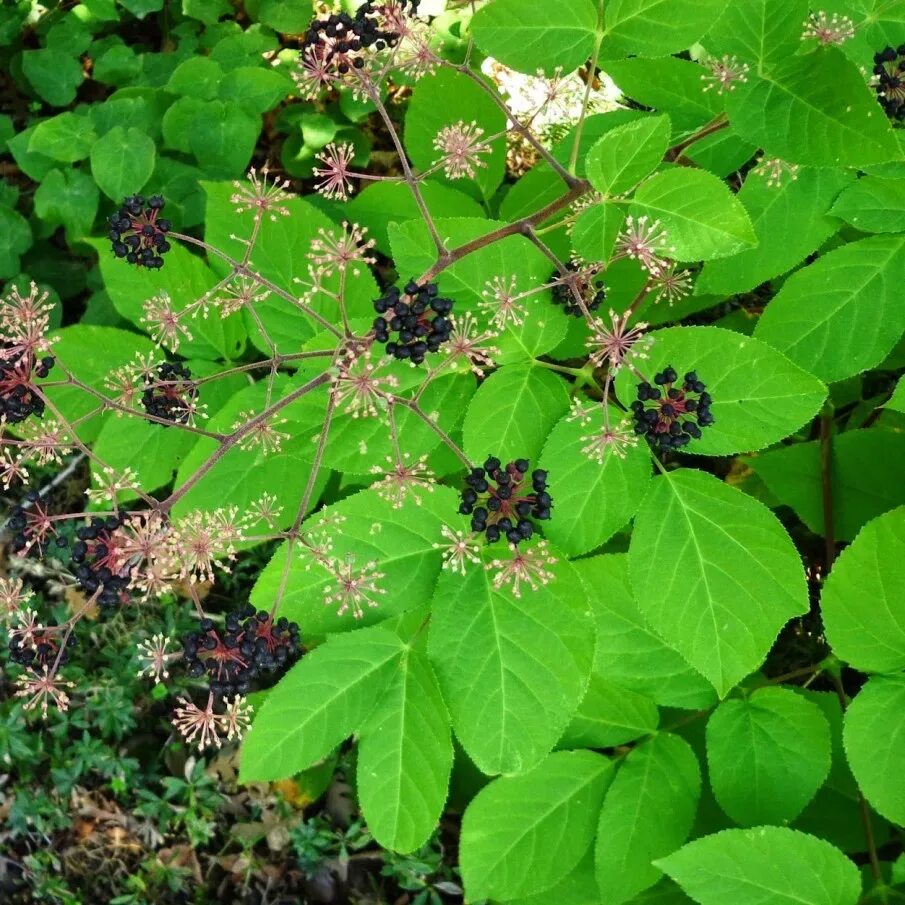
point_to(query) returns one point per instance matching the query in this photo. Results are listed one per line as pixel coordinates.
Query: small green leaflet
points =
(512, 412)
(814, 109)
(714, 573)
(532, 34)
(844, 313)
(759, 396)
(872, 204)
(767, 755)
(863, 599)
(875, 744)
(648, 812)
(322, 700)
(513, 670)
(405, 755)
(625, 155)
(593, 500)
(768, 864)
(523, 834)
(702, 218)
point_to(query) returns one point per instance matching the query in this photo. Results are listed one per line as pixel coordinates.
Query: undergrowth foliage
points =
(447, 424)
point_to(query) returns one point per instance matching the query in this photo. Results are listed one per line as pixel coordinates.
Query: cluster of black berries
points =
(889, 69)
(418, 315)
(592, 293)
(40, 648)
(18, 369)
(671, 416)
(31, 527)
(339, 39)
(98, 563)
(139, 233)
(171, 394)
(252, 645)
(501, 504)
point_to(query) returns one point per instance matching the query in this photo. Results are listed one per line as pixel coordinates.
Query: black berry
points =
(138, 233)
(670, 414)
(412, 321)
(171, 394)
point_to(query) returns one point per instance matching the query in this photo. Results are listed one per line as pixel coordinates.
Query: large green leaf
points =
(767, 754)
(67, 137)
(625, 155)
(768, 865)
(714, 573)
(629, 653)
(816, 110)
(319, 702)
(15, 240)
(513, 670)
(658, 27)
(867, 478)
(512, 412)
(790, 222)
(610, 714)
(445, 99)
(544, 325)
(400, 541)
(405, 755)
(122, 161)
(522, 834)
(863, 599)
(759, 396)
(873, 205)
(702, 218)
(593, 499)
(874, 739)
(844, 313)
(648, 812)
(531, 34)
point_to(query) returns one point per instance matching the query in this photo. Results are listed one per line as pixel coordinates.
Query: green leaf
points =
(54, 75)
(526, 660)
(444, 99)
(223, 138)
(15, 240)
(402, 545)
(768, 864)
(759, 32)
(714, 573)
(658, 27)
(790, 222)
(862, 487)
(523, 834)
(596, 230)
(122, 162)
(68, 197)
(863, 599)
(66, 137)
(873, 205)
(609, 714)
(767, 754)
(255, 90)
(578, 887)
(628, 652)
(198, 77)
(897, 401)
(759, 396)
(814, 110)
(512, 412)
(534, 34)
(648, 812)
(875, 744)
(844, 313)
(405, 756)
(593, 499)
(669, 85)
(287, 16)
(207, 11)
(544, 325)
(321, 701)
(702, 218)
(625, 155)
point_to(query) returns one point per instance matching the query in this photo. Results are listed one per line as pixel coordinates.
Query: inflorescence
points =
(98, 564)
(593, 294)
(250, 646)
(419, 318)
(889, 72)
(18, 398)
(171, 394)
(500, 502)
(670, 416)
(139, 233)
